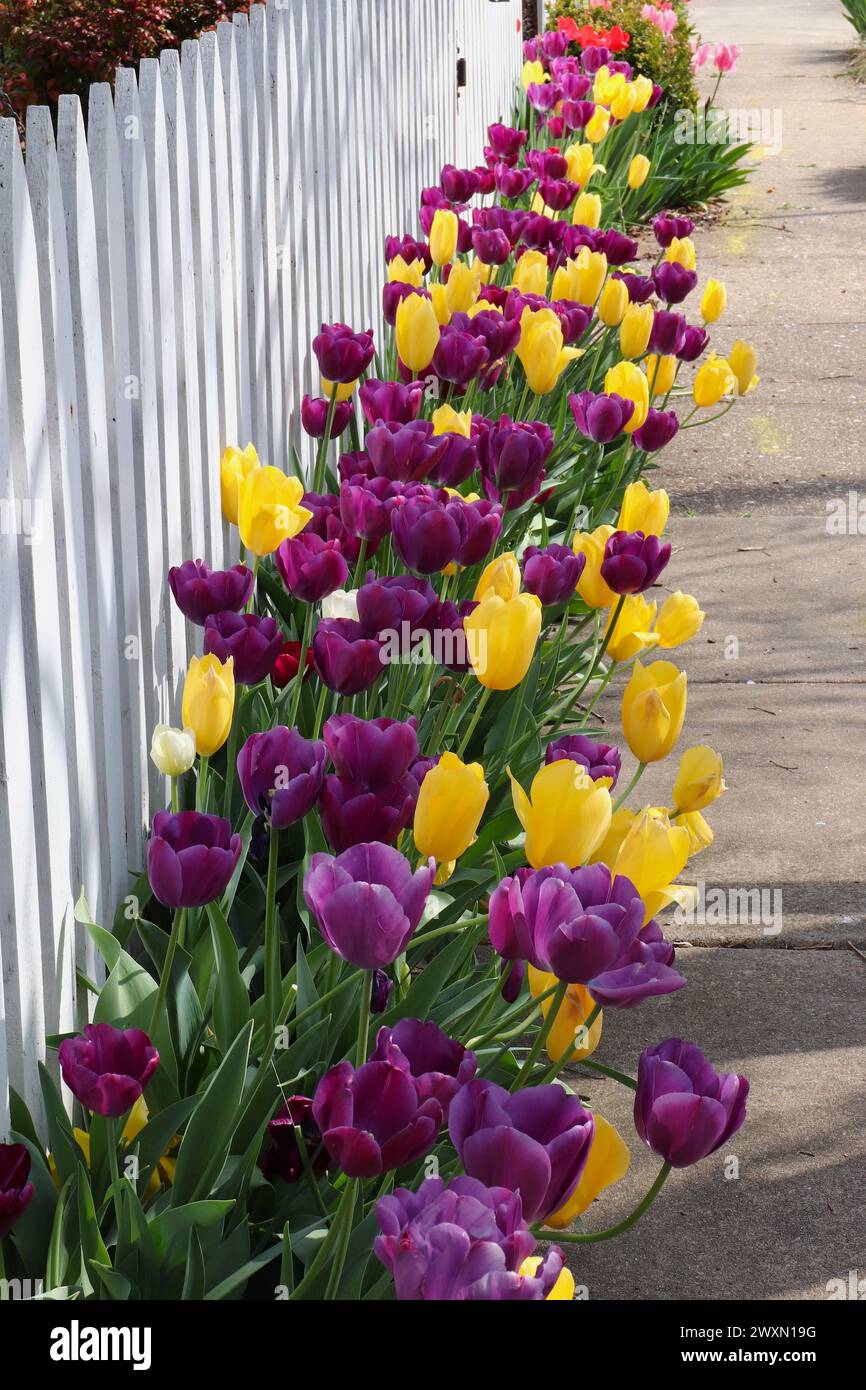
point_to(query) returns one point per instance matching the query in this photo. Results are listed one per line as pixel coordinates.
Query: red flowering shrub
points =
(49, 47)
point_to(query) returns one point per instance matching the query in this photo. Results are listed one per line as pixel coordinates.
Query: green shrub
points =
(666, 61)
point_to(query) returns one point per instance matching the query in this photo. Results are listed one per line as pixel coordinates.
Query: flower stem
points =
(470, 728)
(541, 1037)
(111, 1126)
(641, 769)
(592, 1237)
(272, 936)
(302, 665)
(164, 978)
(319, 474)
(201, 788)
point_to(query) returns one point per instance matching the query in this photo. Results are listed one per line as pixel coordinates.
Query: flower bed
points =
(400, 879)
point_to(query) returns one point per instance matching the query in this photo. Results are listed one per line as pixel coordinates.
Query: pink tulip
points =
(726, 56)
(701, 53)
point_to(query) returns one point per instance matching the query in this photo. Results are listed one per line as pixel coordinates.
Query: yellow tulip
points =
(680, 619)
(342, 389)
(597, 126)
(621, 823)
(638, 171)
(713, 301)
(613, 303)
(417, 330)
(164, 1168)
(643, 90)
(533, 72)
(235, 464)
(699, 780)
(406, 272)
(700, 834)
(446, 420)
(623, 103)
(587, 210)
(644, 509)
(626, 379)
(653, 709)
(566, 814)
(208, 702)
(568, 1033)
(464, 282)
(608, 1162)
(501, 575)
(172, 750)
(714, 379)
(450, 805)
(661, 373)
(563, 1289)
(565, 280)
(743, 360)
(608, 85)
(501, 638)
(651, 854)
(591, 587)
(439, 298)
(269, 509)
(682, 250)
(635, 329)
(581, 163)
(542, 351)
(632, 633)
(530, 273)
(591, 272)
(443, 236)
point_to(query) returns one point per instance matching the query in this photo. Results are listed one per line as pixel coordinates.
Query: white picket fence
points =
(162, 273)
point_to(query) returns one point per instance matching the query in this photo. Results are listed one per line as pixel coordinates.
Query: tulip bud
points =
(590, 586)
(450, 805)
(581, 163)
(635, 329)
(626, 379)
(502, 636)
(598, 125)
(565, 816)
(713, 301)
(501, 576)
(743, 360)
(417, 329)
(643, 509)
(638, 171)
(447, 420)
(208, 702)
(653, 710)
(464, 284)
(632, 632)
(530, 273)
(443, 236)
(682, 252)
(643, 90)
(591, 272)
(541, 350)
(661, 373)
(235, 465)
(623, 103)
(613, 303)
(439, 300)
(405, 272)
(269, 510)
(587, 210)
(172, 750)
(680, 619)
(699, 780)
(533, 72)
(714, 379)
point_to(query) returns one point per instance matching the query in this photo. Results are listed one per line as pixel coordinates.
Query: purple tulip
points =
(439, 1065)
(409, 248)
(668, 332)
(511, 182)
(460, 1243)
(485, 179)
(365, 506)
(427, 531)
(595, 57)
(353, 813)
(506, 141)
(16, 1192)
(327, 523)
(575, 85)
(657, 430)
(390, 401)
(554, 43)
(573, 317)
(598, 759)
(483, 527)
(617, 247)
(599, 417)
(458, 185)
(511, 221)
(281, 773)
(458, 461)
(341, 353)
(108, 1068)
(191, 857)
(673, 282)
(694, 343)
(386, 604)
(314, 416)
(404, 453)
(640, 288)
(577, 114)
(310, 567)
(683, 1108)
(536, 1141)
(552, 572)
(558, 193)
(367, 902)
(283, 1157)
(459, 357)
(633, 562)
(375, 752)
(512, 455)
(200, 592)
(346, 659)
(492, 246)
(254, 642)
(643, 972)
(543, 96)
(393, 294)
(499, 334)
(547, 164)
(666, 227)
(372, 1119)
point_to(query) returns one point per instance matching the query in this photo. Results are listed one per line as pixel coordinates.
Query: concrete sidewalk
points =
(750, 503)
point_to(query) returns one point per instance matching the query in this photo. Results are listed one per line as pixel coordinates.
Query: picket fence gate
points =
(163, 267)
